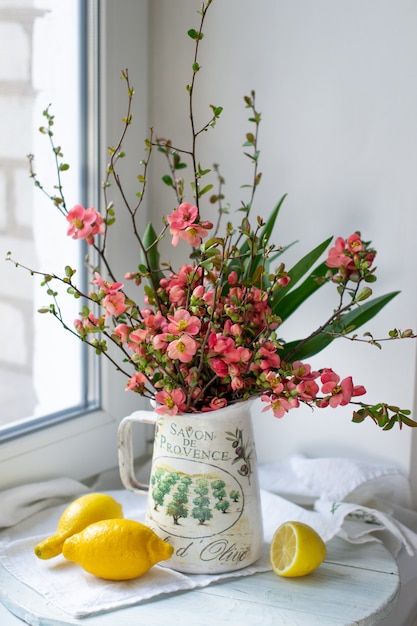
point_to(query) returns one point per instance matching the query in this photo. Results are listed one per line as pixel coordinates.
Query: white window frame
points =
(87, 445)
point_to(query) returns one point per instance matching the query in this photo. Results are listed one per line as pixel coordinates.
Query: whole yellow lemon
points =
(116, 549)
(78, 515)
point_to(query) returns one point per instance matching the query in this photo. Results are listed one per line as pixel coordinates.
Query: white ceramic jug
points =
(203, 495)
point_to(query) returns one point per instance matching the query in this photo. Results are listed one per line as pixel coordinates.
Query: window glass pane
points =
(41, 366)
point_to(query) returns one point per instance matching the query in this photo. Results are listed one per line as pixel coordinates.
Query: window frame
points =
(86, 445)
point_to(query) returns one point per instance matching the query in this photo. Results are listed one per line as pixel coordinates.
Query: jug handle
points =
(125, 449)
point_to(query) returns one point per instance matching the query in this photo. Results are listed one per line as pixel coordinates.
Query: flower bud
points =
(363, 294)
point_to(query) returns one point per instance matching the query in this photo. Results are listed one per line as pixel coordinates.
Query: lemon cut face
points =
(296, 550)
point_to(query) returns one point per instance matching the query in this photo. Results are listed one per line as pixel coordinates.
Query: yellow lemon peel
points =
(82, 512)
(296, 550)
(116, 549)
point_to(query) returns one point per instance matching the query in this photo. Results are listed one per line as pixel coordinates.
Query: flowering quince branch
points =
(392, 334)
(206, 335)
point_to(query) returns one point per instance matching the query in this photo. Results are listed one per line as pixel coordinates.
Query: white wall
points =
(337, 85)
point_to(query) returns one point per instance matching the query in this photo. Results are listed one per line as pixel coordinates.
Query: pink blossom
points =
(244, 354)
(358, 390)
(232, 279)
(279, 405)
(349, 256)
(107, 287)
(354, 243)
(236, 330)
(268, 355)
(209, 297)
(136, 382)
(91, 321)
(232, 356)
(177, 295)
(337, 257)
(284, 280)
(183, 348)
(303, 370)
(84, 223)
(122, 331)
(192, 234)
(327, 375)
(306, 389)
(219, 344)
(160, 341)
(198, 292)
(233, 369)
(275, 382)
(88, 323)
(182, 322)
(136, 339)
(215, 404)
(184, 216)
(219, 366)
(171, 402)
(114, 303)
(181, 219)
(237, 383)
(79, 327)
(153, 320)
(338, 392)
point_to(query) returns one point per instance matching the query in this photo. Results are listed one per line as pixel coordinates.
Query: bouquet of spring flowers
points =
(207, 334)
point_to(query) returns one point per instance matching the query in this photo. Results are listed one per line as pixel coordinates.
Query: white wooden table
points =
(356, 585)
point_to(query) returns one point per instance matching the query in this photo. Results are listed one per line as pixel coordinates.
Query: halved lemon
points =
(296, 549)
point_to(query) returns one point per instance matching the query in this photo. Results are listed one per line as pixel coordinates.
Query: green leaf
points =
(286, 301)
(353, 320)
(194, 34)
(407, 421)
(149, 241)
(205, 189)
(265, 232)
(168, 180)
(269, 226)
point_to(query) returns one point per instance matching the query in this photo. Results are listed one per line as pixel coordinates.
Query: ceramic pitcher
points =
(203, 495)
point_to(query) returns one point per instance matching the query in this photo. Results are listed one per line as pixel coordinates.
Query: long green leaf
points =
(299, 270)
(284, 307)
(152, 258)
(265, 233)
(352, 320)
(304, 264)
(269, 226)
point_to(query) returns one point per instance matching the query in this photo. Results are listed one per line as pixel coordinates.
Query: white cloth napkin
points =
(18, 503)
(356, 500)
(326, 485)
(78, 593)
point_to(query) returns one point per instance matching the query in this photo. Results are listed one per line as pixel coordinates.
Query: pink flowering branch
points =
(205, 335)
